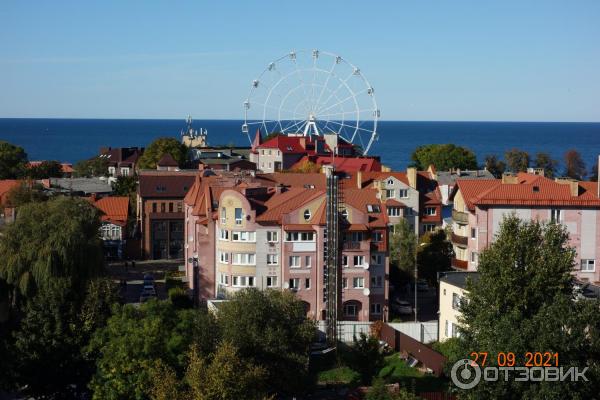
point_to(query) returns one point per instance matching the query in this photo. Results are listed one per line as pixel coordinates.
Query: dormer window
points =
(307, 214)
(373, 208)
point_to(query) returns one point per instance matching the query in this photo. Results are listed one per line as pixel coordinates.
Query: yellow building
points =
(452, 292)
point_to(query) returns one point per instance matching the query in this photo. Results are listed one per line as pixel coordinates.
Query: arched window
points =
(390, 181)
(307, 214)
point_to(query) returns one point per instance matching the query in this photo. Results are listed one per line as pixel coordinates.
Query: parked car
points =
(422, 285)
(402, 307)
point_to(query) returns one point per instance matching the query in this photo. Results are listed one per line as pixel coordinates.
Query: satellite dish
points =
(366, 266)
(366, 291)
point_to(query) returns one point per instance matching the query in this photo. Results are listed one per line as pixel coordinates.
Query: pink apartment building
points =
(480, 205)
(268, 231)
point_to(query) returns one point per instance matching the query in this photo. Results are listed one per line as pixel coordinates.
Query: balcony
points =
(459, 240)
(459, 264)
(356, 246)
(460, 217)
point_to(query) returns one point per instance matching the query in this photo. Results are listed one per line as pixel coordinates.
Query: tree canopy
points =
(97, 166)
(160, 147)
(271, 330)
(13, 160)
(444, 157)
(434, 255)
(44, 170)
(516, 160)
(495, 166)
(525, 286)
(403, 242)
(547, 163)
(574, 165)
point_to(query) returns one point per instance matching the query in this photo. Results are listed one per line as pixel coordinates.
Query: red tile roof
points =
(114, 209)
(167, 161)
(64, 167)
(346, 164)
(287, 144)
(531, 190)
(172, 184)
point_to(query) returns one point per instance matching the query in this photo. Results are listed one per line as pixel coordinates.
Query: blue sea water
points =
(76, 139)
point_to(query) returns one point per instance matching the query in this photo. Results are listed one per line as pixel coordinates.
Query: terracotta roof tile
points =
(115, 209)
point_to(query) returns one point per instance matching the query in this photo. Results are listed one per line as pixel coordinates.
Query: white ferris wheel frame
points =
(307, 112)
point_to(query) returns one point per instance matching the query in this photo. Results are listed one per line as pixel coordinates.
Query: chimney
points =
(411, 174)
(573, 185)
(509, 178)
(359, 179)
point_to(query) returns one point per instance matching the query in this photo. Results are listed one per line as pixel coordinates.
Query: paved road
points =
(427, 302)
(134, 276)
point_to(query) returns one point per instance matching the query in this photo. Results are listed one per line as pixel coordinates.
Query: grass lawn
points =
(396, 370)
(339, 375)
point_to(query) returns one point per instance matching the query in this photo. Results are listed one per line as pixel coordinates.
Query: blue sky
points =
(428, 60)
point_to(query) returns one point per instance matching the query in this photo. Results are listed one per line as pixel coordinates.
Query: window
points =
(428, 227)
(408, 211)
(359, 261)
(272, 259)
(355, 237)
(345, 283)
(244, 258)
(430, 211)
(403, 193)
(243, 281)
(444, 292)
(223, 215)
(243, 236)
(271, 281)
(179, 207)
(390, 181)
(376, 236)
(358, 282)
(238, 216)
(555, 215)
(393, 211)
(270, 164)
(473, 233)
(373, 208)
(162, 207)
(345, 213)
(474, 257)
(377, 281)
(223, 234)
(588, 265)
(350, 310)
(455, 301)
(375, 308)
(307, 215)
(111, 171)
(223, 257)
(390, 193)
(307, 261)
(224, 280)
(125, 171)
(376, 259)
(153, 207)
(307, 283)
(170, 207)
(272, 236)
(294, 261)
(300, 237)
(344, 261)
(294, 283)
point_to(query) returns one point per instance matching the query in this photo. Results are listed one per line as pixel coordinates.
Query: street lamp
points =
(416, 275)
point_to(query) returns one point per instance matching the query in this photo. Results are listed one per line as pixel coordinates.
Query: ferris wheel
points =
(313, 93)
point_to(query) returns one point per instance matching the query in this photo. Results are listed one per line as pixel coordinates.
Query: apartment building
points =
(480, 205)
(268, 231)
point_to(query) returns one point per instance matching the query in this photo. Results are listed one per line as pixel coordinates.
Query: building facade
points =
(452, 293)
(480, 205)
(268, 231)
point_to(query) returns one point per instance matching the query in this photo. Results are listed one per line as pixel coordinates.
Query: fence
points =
(347, 330)
(424, 332)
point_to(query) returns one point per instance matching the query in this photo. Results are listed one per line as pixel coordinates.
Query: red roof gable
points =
(114, 209)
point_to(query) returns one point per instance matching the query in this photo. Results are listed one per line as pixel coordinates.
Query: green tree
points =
(225, 376)
(444, 157)
(403, 243)
(434, 255)
(495, 166)
(13, 160)
(544, 161)
(55, 239)
(46, 169)
(159, 148)
(525, 286)
(379, 391)
(270, 329)
(97, 166)
(127, 186)
(517, 160)
(574, 165)
(366, 357)
(135, 339)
